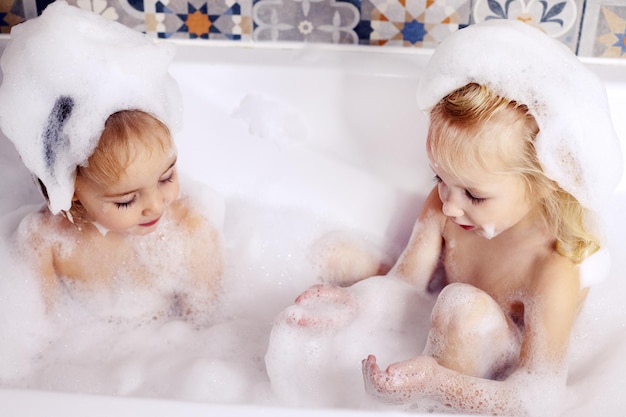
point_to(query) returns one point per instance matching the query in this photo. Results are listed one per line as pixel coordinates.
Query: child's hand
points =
(400, 382)
(322, 307)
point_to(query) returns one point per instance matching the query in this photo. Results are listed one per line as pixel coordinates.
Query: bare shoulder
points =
(199, 206)
(185, 214)
(432, 202)
(555, 273)
(41, 225)
(432, 210)
(557, 300)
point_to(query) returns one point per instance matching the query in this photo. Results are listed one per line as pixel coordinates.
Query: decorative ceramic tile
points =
(199, 19)
(558, 18)
(328, 21)
(604, 29)
(588, 27)
(413, 22)
(611, 39)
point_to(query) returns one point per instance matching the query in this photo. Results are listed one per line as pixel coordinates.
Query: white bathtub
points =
(330, 118)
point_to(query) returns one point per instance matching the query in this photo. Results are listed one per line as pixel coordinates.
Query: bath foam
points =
(64, 73)
(318, 365)
(577, 145)
(489, 231)
(271, 119)
(208, 363)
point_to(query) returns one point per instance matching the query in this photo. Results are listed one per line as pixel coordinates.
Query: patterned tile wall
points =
(588, 27)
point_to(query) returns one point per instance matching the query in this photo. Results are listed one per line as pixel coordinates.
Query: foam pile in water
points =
(577, 145)
(64, 73)
(316, 346)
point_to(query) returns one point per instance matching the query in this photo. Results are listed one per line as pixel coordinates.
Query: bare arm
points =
(204, 257)
(420, 258)
(37, 250)
(206, 260)
(422, 381)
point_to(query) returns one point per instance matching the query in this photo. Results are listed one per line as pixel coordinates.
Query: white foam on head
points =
(577, 145)
(64, 73)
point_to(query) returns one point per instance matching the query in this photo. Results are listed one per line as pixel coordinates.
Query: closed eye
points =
(126, 204)
(168, 177)
(473, 198)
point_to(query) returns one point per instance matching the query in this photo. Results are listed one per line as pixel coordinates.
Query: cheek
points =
(443, 191)
(116, 219)
(173, 192)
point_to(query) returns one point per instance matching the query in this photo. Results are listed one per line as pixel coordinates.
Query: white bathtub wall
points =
(312, 111)
(297, 126)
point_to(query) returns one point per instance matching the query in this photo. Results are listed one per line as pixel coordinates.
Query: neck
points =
(531, 228)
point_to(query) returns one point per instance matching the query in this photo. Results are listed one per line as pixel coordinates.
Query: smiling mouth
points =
(467, 227)
(152, 223)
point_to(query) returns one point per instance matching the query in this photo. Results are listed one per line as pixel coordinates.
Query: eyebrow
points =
(117, 195)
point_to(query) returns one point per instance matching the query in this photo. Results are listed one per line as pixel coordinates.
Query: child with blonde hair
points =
(508, 242)
(89, 105)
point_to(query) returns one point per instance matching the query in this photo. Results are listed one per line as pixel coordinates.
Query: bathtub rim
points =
(39, 403)
(397, 61)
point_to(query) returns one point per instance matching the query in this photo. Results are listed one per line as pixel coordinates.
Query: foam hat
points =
(577, 144)
(64, 73)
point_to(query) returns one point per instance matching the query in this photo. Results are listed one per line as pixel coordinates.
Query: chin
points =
(142, 231)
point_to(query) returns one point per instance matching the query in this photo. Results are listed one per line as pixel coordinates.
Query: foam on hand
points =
(577, 145)
(64, 73)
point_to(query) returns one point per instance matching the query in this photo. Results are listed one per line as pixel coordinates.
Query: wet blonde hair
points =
(125, 133)
(456, 140)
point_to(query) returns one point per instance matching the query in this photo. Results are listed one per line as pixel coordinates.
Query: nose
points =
(451, 210)
(451, 207)
(155, 203)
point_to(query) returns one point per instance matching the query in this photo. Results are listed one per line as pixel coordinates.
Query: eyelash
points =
(170, 178)
(474, 200)
(127, 204)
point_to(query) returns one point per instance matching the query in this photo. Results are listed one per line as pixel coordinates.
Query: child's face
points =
(134, 203)
(483, 202)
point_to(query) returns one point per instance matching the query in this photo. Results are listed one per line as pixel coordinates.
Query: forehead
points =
(143, 169)
(496, 145)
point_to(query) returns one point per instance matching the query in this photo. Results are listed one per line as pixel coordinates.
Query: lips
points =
(152, 223)
(463, 226)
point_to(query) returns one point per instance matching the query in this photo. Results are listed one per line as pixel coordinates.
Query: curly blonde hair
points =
(455, 141)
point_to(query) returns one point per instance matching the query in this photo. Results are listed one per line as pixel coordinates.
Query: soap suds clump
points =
(70, 80)
(577, 145)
